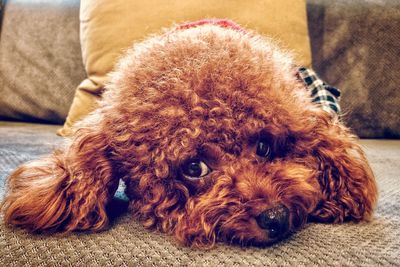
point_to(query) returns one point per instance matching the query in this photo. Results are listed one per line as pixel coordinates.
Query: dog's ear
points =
(347, 183)
(66, 191)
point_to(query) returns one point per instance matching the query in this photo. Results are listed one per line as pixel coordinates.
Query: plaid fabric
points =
(322, 94)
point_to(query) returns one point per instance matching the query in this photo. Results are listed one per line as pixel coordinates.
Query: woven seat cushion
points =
(127, 243)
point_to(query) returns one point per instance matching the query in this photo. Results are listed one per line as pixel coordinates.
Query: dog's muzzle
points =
(275, 221)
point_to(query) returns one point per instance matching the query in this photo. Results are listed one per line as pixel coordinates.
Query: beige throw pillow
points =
(110, 27)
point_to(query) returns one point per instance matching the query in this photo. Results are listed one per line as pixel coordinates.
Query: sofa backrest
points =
(355, 46)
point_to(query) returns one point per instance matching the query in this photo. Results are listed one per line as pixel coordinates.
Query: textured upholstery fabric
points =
(40, 60)
(356, 47)
(1, 12)
(109, 27)
(127, 243)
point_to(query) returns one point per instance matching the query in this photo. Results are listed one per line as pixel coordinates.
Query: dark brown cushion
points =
(356, 47)
(40, 59)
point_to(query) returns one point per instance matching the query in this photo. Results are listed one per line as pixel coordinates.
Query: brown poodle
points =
(215, 138)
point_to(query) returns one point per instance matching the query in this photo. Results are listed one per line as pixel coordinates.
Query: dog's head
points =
(217, 139)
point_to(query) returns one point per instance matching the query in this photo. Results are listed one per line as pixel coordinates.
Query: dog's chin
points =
(261, 241)
(268, 242)
(249, 233)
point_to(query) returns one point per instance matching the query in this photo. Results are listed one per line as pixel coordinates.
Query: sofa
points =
(355, 46)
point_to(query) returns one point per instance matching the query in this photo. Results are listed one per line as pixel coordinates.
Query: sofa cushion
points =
(40, 60)
(110, 27)
(356, 47)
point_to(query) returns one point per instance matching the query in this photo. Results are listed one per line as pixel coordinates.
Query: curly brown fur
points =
(211, 94)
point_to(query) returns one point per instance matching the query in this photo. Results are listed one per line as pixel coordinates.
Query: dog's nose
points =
(274, 220)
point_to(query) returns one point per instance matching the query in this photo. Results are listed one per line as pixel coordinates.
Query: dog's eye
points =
(263, 149)
(195, 168)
